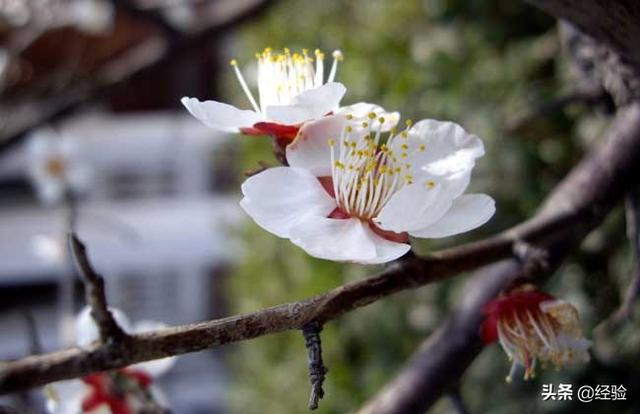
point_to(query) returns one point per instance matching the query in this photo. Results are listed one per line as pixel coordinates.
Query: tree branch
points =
(110, 331)
(578, 204)
(614, 23)
(633, 232)
(625, 311)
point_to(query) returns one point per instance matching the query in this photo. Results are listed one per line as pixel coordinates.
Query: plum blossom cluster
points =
(533, 327)
(125, 391)
(354, 187)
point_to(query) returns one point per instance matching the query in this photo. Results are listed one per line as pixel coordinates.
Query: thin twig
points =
(317, 370)
(110, 331)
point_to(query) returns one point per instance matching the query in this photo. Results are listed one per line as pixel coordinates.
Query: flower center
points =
(367, 173)
(56, 166)
(283, 76)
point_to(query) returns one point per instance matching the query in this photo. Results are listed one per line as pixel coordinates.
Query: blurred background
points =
(157, 192)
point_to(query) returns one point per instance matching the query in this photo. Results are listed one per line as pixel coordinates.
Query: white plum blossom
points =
(91, 16)
(49, 249)
(55, 166)
(291, 91)
(124, 391)
(350, 195)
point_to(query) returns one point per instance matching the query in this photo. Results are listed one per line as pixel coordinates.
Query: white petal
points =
(65, 397)
(310, 104)
(310, 150)
(156, 367)
(278, 198)
(332, 239)
(347, 240)
(86, 329)
(80, 178)
(386, 250)
(442, 149)
(221, 116)
(468, 212)
(159, 396)
(413, 207)
(457, 182)
(51, 190)
(49, 249)
(361, 110)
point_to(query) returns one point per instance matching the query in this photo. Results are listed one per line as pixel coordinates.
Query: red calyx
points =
(284, 134)
(103, 390)
(517, 301)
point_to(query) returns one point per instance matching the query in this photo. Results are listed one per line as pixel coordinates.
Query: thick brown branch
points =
(614, 23)
(633, 231)
(110, 331)
(625, 311)
(443, 358)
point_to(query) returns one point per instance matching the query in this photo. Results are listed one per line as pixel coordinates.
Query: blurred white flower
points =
(55, 166)
(49, 249)
(14, 12)
(348, 195)
(123, 391)
(91, 16)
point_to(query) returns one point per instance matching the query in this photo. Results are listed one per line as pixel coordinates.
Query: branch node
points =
(110, 331)
(317, 370)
